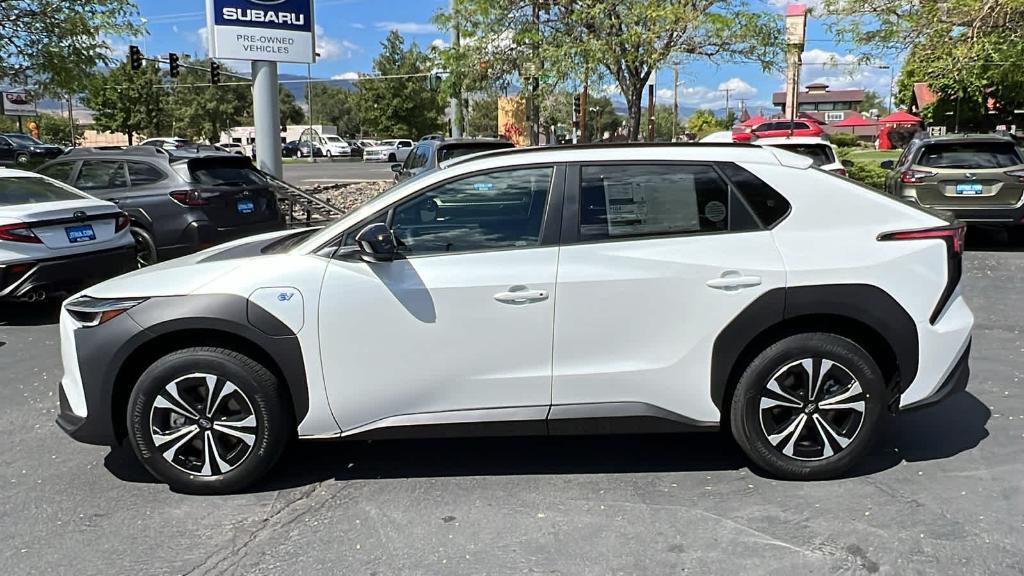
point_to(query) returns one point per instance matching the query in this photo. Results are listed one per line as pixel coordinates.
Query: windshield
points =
(334, 140)
(820, 154)
(23, 139)
(388, 143)
(970, 155)
(14, 191)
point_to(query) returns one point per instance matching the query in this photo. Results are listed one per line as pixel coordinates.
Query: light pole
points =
(456, 103)
(309, 104)
(675, 98)
(892, 81)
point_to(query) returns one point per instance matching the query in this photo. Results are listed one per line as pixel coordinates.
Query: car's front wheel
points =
(207, 420)
(808, 407)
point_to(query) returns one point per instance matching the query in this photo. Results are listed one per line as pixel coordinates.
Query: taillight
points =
(19, 233)
(953, 235)
(122, 222)
(1018, 174)
(189, 198)
(915, 176)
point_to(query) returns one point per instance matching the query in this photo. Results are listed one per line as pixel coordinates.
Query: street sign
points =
(262, 30)
(19, 104)
(936, 130)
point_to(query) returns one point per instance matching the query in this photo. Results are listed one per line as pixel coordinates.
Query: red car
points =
(779, 129)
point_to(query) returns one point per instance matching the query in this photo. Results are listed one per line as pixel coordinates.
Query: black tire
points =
(254, 397)
(21, 159)
(392, 158)
(757, 412)
(145, 247)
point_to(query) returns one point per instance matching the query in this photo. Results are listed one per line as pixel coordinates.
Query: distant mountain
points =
(296, 84)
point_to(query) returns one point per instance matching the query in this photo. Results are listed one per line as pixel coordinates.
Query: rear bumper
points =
(72, 273)
(200, 235)
(955, 382)
(944, 355)
(995, 215)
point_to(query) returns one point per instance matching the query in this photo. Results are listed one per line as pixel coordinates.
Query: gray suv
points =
(177, 205)
(429, 154)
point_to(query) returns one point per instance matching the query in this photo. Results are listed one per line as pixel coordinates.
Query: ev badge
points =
(285, 296)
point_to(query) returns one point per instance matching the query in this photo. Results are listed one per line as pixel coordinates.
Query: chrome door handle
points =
(521, 296)
(734, 282)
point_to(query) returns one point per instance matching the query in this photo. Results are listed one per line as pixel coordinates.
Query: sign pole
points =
(267, 117)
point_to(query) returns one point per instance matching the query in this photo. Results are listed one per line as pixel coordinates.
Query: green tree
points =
(627, 40)
(729, 120)
(703, 122)
(202, 112)
(602, 118)
(665, 123)
(872, 101)
(335, 106)
(961, 48)
(400, 106)
(128, 101)
(291, 112)
(483, 116)
(56, 129)
(53, 44)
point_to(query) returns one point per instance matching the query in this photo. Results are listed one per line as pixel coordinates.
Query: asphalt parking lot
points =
(943, 492)
(341, 171)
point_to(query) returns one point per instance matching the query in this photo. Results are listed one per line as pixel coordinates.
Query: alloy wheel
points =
(203, 425)
(812, 409)
(144, 255)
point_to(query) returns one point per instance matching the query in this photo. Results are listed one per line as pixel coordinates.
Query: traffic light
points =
(214, 73)
(175, 63)
(135, 58)
(577, 106)
(433, 81)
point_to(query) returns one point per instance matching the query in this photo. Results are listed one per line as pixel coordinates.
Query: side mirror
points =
(847, 164)
(377, 243)
(887, 164)
(396, 168)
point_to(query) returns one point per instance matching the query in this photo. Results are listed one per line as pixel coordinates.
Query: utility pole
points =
(457, 115)
(534, 109)
(675, 99)
(309, 101)
(727, 92)
(650, 112)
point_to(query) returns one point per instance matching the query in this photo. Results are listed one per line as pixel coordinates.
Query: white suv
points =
(567, 290)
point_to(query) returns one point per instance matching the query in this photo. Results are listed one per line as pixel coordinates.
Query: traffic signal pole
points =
(267, 118)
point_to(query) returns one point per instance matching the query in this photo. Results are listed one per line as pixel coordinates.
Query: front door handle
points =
(734, 281)
(520, 297)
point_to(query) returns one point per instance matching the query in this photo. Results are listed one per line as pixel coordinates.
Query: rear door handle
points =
(734, 282)
(519, 297)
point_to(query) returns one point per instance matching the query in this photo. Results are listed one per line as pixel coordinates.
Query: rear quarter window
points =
(233, 173)
(768, 205)
(820, 154)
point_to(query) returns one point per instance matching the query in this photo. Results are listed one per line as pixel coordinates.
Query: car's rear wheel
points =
(808, 406)
(207, 420)
(21, 159)
(145, 247)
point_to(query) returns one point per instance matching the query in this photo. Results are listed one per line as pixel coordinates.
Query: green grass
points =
(878, 155)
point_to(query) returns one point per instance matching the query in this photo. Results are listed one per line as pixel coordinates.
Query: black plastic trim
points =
(862, 303)
(955, 382)
(620, 418)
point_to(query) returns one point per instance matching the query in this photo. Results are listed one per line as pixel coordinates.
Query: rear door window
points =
(969, 155)
(101, 175)
(33, 190)
(651, 200)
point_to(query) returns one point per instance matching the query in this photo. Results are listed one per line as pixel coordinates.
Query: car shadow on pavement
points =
(29, 313)
(981, 239)
(934, 433)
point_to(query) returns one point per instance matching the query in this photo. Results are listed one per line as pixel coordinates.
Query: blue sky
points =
(350, 32)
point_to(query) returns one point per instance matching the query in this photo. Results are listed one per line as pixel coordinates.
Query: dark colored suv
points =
(177, 205)
(20, 149)
(428, 154)
(979, 178)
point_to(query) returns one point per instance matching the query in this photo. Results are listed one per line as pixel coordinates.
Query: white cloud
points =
(811, 4)
(174, 29)
(406, 27)
(346, 76)
(331, 48)
(843, 71)
(358, 26)
(439, 44)
(738, 89)
(117, 49)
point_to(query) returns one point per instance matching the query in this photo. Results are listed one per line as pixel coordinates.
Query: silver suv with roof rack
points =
(178, 205)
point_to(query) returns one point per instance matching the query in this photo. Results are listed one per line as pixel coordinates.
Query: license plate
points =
(969, 189)
(78, 234)
(246, 206)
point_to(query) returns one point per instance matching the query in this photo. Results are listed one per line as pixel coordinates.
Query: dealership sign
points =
(268, 30)
(19, 104)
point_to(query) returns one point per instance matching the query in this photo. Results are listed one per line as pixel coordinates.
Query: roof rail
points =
(596, 146)
(151, 151)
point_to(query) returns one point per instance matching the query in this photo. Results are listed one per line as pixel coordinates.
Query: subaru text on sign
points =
(267, 30)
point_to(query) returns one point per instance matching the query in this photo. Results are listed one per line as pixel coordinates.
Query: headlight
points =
(95, 311)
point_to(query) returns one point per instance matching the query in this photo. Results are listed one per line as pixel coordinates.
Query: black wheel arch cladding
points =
(847, 306)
